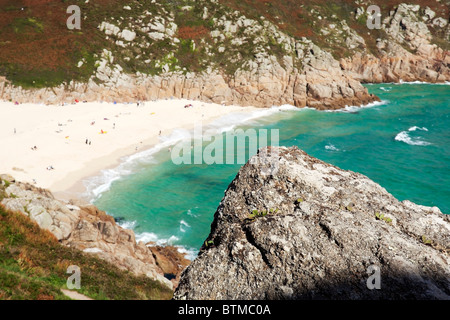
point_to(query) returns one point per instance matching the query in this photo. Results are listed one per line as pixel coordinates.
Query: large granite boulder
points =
(313, 231)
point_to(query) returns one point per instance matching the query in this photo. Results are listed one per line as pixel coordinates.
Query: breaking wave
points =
(413, 141)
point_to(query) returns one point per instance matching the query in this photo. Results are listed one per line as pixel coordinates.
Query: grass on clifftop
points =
(33, 266)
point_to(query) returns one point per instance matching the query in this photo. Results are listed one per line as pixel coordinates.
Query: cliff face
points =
(90, 230)
(407, 54)
(297, 53)
(314, 231)
(320, 83)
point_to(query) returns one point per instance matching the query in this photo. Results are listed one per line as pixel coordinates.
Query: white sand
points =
(66, 150)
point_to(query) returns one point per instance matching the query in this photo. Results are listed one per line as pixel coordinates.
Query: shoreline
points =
(154, 146)
(65, 190)
(70, 184)
(444, 83)
(128, 130)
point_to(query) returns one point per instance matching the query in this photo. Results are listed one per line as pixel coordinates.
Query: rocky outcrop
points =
(277, 69)
(407, 53)
(170, 261)
(86, 228)
(247, 61)
(320, 83)
(314, 231)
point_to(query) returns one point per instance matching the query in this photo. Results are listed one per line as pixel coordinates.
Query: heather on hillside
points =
(38, 50)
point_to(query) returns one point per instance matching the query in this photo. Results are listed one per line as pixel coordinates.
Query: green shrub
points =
(379, 216)
(426, 241)
(259, 214)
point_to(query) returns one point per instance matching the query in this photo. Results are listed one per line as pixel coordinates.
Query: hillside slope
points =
(93, 232)
(250, 52)
(33, 266)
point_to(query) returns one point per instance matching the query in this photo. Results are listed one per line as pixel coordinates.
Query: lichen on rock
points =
(321, 241)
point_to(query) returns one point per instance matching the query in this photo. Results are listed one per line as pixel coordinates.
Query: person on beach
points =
(86, 141)
(14, 130)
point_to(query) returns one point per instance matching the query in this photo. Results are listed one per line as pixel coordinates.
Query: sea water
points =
(402, 143)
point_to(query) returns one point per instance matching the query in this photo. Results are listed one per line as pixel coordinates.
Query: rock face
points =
(407, 53)
(252, 61)
(170, 261)
(88, 229)
(326, 234)
(320, 83)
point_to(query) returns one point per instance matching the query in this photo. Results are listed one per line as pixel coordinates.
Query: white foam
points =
(189, 213)
(96, 186)
(146, 237)
(127, 224)
(331, 147)
(152, 237)
(190, 254)
(411, 82)
(171, 240)
(231, 121)
(185, 224)
(404, 137)
(351, 109)
(417, 128)
(420, 82)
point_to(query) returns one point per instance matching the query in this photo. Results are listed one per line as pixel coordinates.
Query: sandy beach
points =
(56, 147)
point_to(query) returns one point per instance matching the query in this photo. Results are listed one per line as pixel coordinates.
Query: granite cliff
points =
(408, 53)
(313, 231)
(86, 228)
(233, 52)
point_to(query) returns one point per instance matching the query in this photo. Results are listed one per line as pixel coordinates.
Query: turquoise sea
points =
(402, 143)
